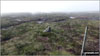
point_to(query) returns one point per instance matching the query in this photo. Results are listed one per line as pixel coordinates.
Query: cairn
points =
(48, 29)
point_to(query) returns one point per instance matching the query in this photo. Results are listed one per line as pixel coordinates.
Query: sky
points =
(48, 6)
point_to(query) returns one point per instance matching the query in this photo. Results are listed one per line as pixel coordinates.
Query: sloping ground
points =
(65, 38)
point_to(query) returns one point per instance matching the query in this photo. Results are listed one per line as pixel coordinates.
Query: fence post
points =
(84, 41)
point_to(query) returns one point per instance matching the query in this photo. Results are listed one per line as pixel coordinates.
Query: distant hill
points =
(16, 18)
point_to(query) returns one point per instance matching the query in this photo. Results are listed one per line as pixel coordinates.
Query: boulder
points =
(48, 29)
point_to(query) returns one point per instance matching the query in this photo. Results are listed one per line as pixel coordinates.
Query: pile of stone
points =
(48, 29)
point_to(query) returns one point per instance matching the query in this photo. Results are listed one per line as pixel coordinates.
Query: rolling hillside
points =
(65, 38)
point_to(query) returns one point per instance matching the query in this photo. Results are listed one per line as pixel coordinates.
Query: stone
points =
(48, 29)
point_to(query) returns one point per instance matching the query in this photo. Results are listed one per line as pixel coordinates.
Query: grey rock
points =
(48, 29)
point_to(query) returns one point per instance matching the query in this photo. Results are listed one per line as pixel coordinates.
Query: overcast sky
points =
(48, 6)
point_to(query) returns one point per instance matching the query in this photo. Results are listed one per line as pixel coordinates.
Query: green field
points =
(65, 38)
